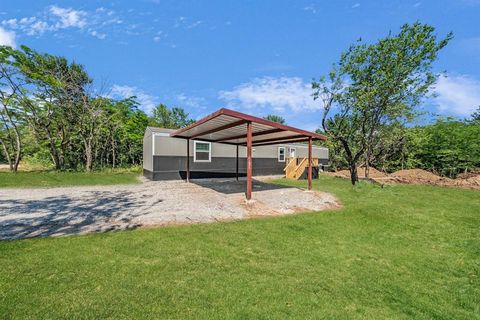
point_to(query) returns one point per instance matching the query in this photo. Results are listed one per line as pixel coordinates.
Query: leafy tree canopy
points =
(274, 118)
(173, 118)
(375, 86)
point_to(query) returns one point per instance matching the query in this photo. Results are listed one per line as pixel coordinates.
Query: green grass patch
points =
(28, 179)
(401, 252)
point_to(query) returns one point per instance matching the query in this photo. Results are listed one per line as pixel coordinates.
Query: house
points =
(164, 157)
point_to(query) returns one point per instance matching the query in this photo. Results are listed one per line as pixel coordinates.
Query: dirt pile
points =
(373, 173)
(417, 176)
(466, 175)
(472, 181)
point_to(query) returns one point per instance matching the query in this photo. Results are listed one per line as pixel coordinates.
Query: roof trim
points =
(246, 118)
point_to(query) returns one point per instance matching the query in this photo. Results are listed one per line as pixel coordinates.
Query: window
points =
(202, 152)
(291, 153)
(281, 154)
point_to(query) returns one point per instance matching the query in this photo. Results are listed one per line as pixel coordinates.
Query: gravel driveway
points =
(28, 213)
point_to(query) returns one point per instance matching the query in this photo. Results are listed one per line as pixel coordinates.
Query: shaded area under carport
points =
(240, 129)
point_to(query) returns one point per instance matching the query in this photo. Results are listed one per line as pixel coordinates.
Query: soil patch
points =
(419, 176)
(416, 176)
(373, 173)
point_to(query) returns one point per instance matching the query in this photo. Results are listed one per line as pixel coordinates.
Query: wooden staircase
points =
(295, 167)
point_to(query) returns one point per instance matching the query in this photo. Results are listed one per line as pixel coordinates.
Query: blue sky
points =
(258, 57)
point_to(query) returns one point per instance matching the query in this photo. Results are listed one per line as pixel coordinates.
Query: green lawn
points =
(402, 252)
(61, 179)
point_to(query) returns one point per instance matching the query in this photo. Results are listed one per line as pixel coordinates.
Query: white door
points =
(291, 153)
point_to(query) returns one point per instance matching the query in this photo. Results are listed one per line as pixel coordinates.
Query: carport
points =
(240, 129)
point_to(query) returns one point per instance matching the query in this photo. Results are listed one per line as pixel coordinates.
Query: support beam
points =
(249, 161)
(188, 161)
(255, 134)
(279, 142)
(297, 136)
(224, 127)
(210, 140)
(236, 165)
(310, 164)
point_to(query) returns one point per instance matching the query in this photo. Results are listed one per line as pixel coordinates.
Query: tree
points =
(275, 118)
(52, 99)
(10, 113)
(476, 115)
(50, 111)
(375, 86)
(174, 118)
(447, 146)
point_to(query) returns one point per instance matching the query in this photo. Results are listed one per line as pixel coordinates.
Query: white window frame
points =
(195, 151)
(284, 154)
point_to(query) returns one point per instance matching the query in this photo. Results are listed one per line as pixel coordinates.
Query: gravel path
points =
(26, 213)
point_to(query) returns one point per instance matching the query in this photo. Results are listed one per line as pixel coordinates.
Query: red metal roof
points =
(230, 127)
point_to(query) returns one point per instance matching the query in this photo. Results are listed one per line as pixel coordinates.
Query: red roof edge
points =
(240, 115)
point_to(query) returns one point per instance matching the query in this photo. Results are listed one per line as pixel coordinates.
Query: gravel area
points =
(26, 213)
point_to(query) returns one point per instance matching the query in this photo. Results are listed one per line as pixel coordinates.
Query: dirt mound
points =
(416, 176)
(419, 176)
(467, 175)
(471, 182)
(373, 173)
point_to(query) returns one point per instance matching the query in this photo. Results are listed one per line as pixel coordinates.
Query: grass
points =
(402, 252)
(28, 179)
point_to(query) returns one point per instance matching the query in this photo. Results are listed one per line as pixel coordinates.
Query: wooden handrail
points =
(295, 171)
(289, 163)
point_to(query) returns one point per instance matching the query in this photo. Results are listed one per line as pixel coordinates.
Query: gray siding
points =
(147, 151)
(167, 146)
(164, 158)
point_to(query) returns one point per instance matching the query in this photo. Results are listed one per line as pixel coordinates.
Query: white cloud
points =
(356, 5)
(55, 18)
(194, 24)
(69, 17)
(280, 94)
(311, 8)
(183, 22)
(98, 35)
(7, 38)
(191, 102)
(457, 94)
(146, 101)
(159, 36)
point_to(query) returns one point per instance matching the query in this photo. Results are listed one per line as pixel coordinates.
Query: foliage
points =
(51, 113)
(392, 253)
(375, 87)
(448, 146)
(476, 115)
(274, 118)
(173, 118)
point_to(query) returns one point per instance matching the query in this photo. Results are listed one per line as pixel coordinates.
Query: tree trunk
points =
(353, 173)
(7, 154)
(17, 148)
(88, 157)
(53, 150)
(113, 153)
(367, 165)
(18, 153)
